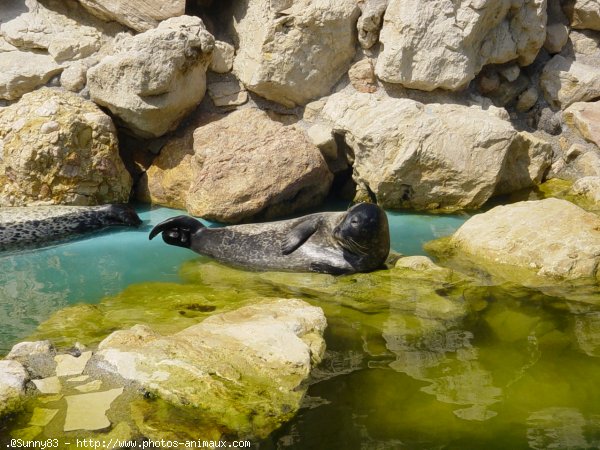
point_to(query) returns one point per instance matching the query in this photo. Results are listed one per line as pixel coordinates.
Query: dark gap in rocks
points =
(216, 15)
(343, 186)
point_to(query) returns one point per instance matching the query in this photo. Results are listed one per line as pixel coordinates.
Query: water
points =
(413, 361)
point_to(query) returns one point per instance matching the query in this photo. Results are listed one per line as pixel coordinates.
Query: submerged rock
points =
(548, 238)
(57, 148)
(162, 76)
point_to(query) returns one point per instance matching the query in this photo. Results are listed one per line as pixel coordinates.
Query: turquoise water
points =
(35, 283)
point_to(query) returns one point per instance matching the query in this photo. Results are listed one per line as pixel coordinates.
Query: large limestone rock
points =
(551, 237)
(584, 14)
(161, 76)
(585, 118)
(62, 28)
(293, 51)
(56, 147)
(588, 188)
(13, 377)
(248, 165)
(243, 369)
(22, 72)
(136, 14)
(433, 156)
(437, 44)
(574, 74)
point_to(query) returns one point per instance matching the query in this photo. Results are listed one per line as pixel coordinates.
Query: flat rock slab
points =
(50, 385)
(88, 411)
(70, 365)
(42, 416)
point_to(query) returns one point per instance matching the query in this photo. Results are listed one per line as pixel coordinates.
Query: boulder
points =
(291, 52)
(585, 118)
(369, 22)
(60, 27)
(162, 76)
(57, 148)
(552, 238)
(584, 14)
(136, 14)
(243, 369)
(433, 156)
(435, 44)
(588, 188)
(13, 377)
(248, 165)
(222, 59)
(22, 72)
(574, 74)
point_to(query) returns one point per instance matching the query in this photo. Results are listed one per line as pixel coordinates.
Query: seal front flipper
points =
(177, 230)
(299, 234)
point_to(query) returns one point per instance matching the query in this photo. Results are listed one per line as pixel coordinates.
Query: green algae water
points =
(415, 359)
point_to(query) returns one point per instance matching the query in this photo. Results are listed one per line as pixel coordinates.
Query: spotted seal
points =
(35, 226)
(357, 240)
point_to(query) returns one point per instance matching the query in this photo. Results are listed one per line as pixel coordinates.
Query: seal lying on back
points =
(357, 240)
(35, 226)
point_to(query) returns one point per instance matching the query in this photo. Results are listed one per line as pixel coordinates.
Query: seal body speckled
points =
(356, 240)
(36, 226)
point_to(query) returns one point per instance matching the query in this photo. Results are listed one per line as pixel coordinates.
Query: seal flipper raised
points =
(299, 235)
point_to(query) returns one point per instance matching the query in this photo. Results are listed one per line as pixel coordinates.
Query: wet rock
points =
(22, 72)
(222, 57)
(88, 411)
(242, 368)
(13, 377)
(136, 14)
(574, 74)
(42, 416)
(458, 41)
(162, 76)
(434, 156)
(229, 180)
(585, 118)
(548, 238)
(292, 52)
(59, 148)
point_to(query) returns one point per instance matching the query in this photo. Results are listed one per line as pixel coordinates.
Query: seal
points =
(36, 226)
(357, 240)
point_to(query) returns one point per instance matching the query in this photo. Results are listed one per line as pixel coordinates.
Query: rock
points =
(362, 76)
(273, 59)
(22, 72)
(588, 187)
(557, 31)
(584, 14)
(552, 238)
(243, 369)
(227, 93)
(222, 58)
(74, 77)
(94, 385)
(527, 99)
(88, 411)
(369, 22)
(585, 118)
(26, 350)
(574, 74)
(61, 27)
(229, 180)
(13, 377)
(433, 156)
(441, 45)
(42, 416)
(322, 137)
(50, 385)
(136, 14)
(510, 72)
(67, 365)
(162, 76)
(59, 148)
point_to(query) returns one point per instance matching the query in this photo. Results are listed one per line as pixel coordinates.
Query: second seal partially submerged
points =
(357, 240)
